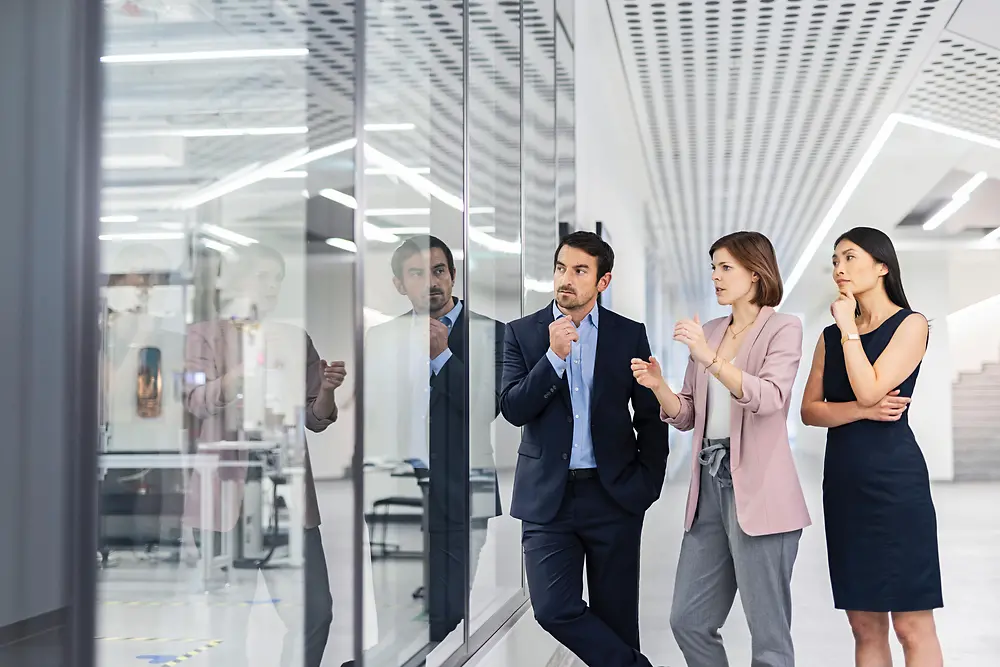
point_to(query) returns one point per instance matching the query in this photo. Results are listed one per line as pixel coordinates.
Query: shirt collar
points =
(451, 316)
(593, 315)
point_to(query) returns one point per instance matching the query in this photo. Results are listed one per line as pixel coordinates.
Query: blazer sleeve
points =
(526, 391)
(203, 400)
(768, 392)
(684, 421)
(314, 381)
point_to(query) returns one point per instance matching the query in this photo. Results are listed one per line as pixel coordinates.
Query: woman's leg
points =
(871, 638)
(918, 635)
(705, 586)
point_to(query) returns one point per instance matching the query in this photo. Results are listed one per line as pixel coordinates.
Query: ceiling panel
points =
(757, 110)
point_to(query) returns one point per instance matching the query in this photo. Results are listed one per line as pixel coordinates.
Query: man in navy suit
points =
(587, 469)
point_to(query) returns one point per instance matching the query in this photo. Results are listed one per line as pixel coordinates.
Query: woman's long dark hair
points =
(877, 244)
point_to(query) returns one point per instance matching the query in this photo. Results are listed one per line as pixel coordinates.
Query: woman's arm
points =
(818, 412)
(898, 360)
(768, 391)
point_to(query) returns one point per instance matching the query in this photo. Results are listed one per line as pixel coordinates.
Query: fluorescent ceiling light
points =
(378, 171)
(119, 218)
(201, 56)
(479, 210)
(383, 212)
(408, 230)
(389, 127)
(292, 174)
(375, 233)
(256, 172)
(143, 236)
(191, 133)
(228, 235)
(990, 238)
(343, 244)
(339, 197)
(958, 200)
(215, 245)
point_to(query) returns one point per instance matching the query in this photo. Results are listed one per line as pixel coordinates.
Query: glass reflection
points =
(217, 355)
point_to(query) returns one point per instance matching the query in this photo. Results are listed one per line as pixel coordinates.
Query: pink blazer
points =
(769, 498)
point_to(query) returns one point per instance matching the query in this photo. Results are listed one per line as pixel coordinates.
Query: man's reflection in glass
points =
(418, 414)
(228, 388)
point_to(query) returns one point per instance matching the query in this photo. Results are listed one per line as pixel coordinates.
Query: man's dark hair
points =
(593, 245)
(416, 245)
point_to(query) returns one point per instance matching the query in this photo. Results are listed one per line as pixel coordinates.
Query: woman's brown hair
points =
(755, 253)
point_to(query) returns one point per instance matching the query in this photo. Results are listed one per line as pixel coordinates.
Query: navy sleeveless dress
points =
(881, 527)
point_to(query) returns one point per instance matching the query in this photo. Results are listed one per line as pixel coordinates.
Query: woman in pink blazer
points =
(745, 509)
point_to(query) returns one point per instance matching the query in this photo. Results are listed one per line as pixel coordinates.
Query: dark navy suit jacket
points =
(631, 450)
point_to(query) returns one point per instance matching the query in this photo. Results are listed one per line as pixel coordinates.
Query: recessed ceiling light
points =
(200, 56)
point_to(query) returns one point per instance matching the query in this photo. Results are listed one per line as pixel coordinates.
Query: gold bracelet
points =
(715, 361)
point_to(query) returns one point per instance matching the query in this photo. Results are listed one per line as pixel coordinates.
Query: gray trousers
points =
(716, 559)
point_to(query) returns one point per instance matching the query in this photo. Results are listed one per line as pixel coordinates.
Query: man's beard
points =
(570, 300)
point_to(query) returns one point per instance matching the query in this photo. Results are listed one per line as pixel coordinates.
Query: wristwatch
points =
(847, 337)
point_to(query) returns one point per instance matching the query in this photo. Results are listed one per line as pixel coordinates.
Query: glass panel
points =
(539, 153)
(416, 440)
(494, 296)
(224, 121)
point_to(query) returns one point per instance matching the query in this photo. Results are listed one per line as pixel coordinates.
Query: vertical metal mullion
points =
(357, 466)
(83, 212)
(467, 398)
(521, 179)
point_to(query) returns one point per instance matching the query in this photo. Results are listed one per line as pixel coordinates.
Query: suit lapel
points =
(744, 353)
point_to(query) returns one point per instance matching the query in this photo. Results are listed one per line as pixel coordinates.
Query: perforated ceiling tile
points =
(959, 86)
(755, 108)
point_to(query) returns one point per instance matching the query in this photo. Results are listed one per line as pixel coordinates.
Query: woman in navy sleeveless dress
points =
(881, 527)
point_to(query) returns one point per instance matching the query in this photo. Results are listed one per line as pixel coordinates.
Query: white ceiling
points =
(758, 111)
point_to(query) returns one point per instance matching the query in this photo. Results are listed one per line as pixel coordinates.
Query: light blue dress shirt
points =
(580, 365)
(422, 387)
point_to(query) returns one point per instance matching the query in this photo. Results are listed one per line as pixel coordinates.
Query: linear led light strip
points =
(205, 132)
(859, 173)
(200, 56)
(958, 200)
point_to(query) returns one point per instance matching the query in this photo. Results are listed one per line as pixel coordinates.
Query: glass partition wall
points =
(317, 218)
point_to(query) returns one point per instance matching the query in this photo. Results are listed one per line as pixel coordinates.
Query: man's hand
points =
(889, 409)
(438, 338)
(334, 373)
(562, 335)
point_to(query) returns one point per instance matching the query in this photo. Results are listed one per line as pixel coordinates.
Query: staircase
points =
(976, 424)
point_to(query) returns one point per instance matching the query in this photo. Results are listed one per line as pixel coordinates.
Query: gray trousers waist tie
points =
(714, 455)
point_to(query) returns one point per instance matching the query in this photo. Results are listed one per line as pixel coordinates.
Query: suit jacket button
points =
(565, 456)
(569, 419)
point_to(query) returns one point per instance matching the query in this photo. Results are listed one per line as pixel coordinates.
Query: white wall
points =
(613, 184)
(974, 304)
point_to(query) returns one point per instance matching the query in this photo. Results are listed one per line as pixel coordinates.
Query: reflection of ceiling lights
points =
(378, 171)
(380, 234)
(215, 245)
(384, 212)
(190, 133)
(535, 285)
(119, 218)
(991, 238)
(143, 236)
(389, 127)
(201, 56)
(343, 244)
(256, 172)
(859, 173)
(409, 231)
(958, 200)
(292, 174)
(227, 235)
(339, 197)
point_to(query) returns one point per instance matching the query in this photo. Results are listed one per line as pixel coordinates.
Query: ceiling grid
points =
(757, 109)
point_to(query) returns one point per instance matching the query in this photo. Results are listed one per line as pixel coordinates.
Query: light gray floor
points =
(969, 533)
(156, 609)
